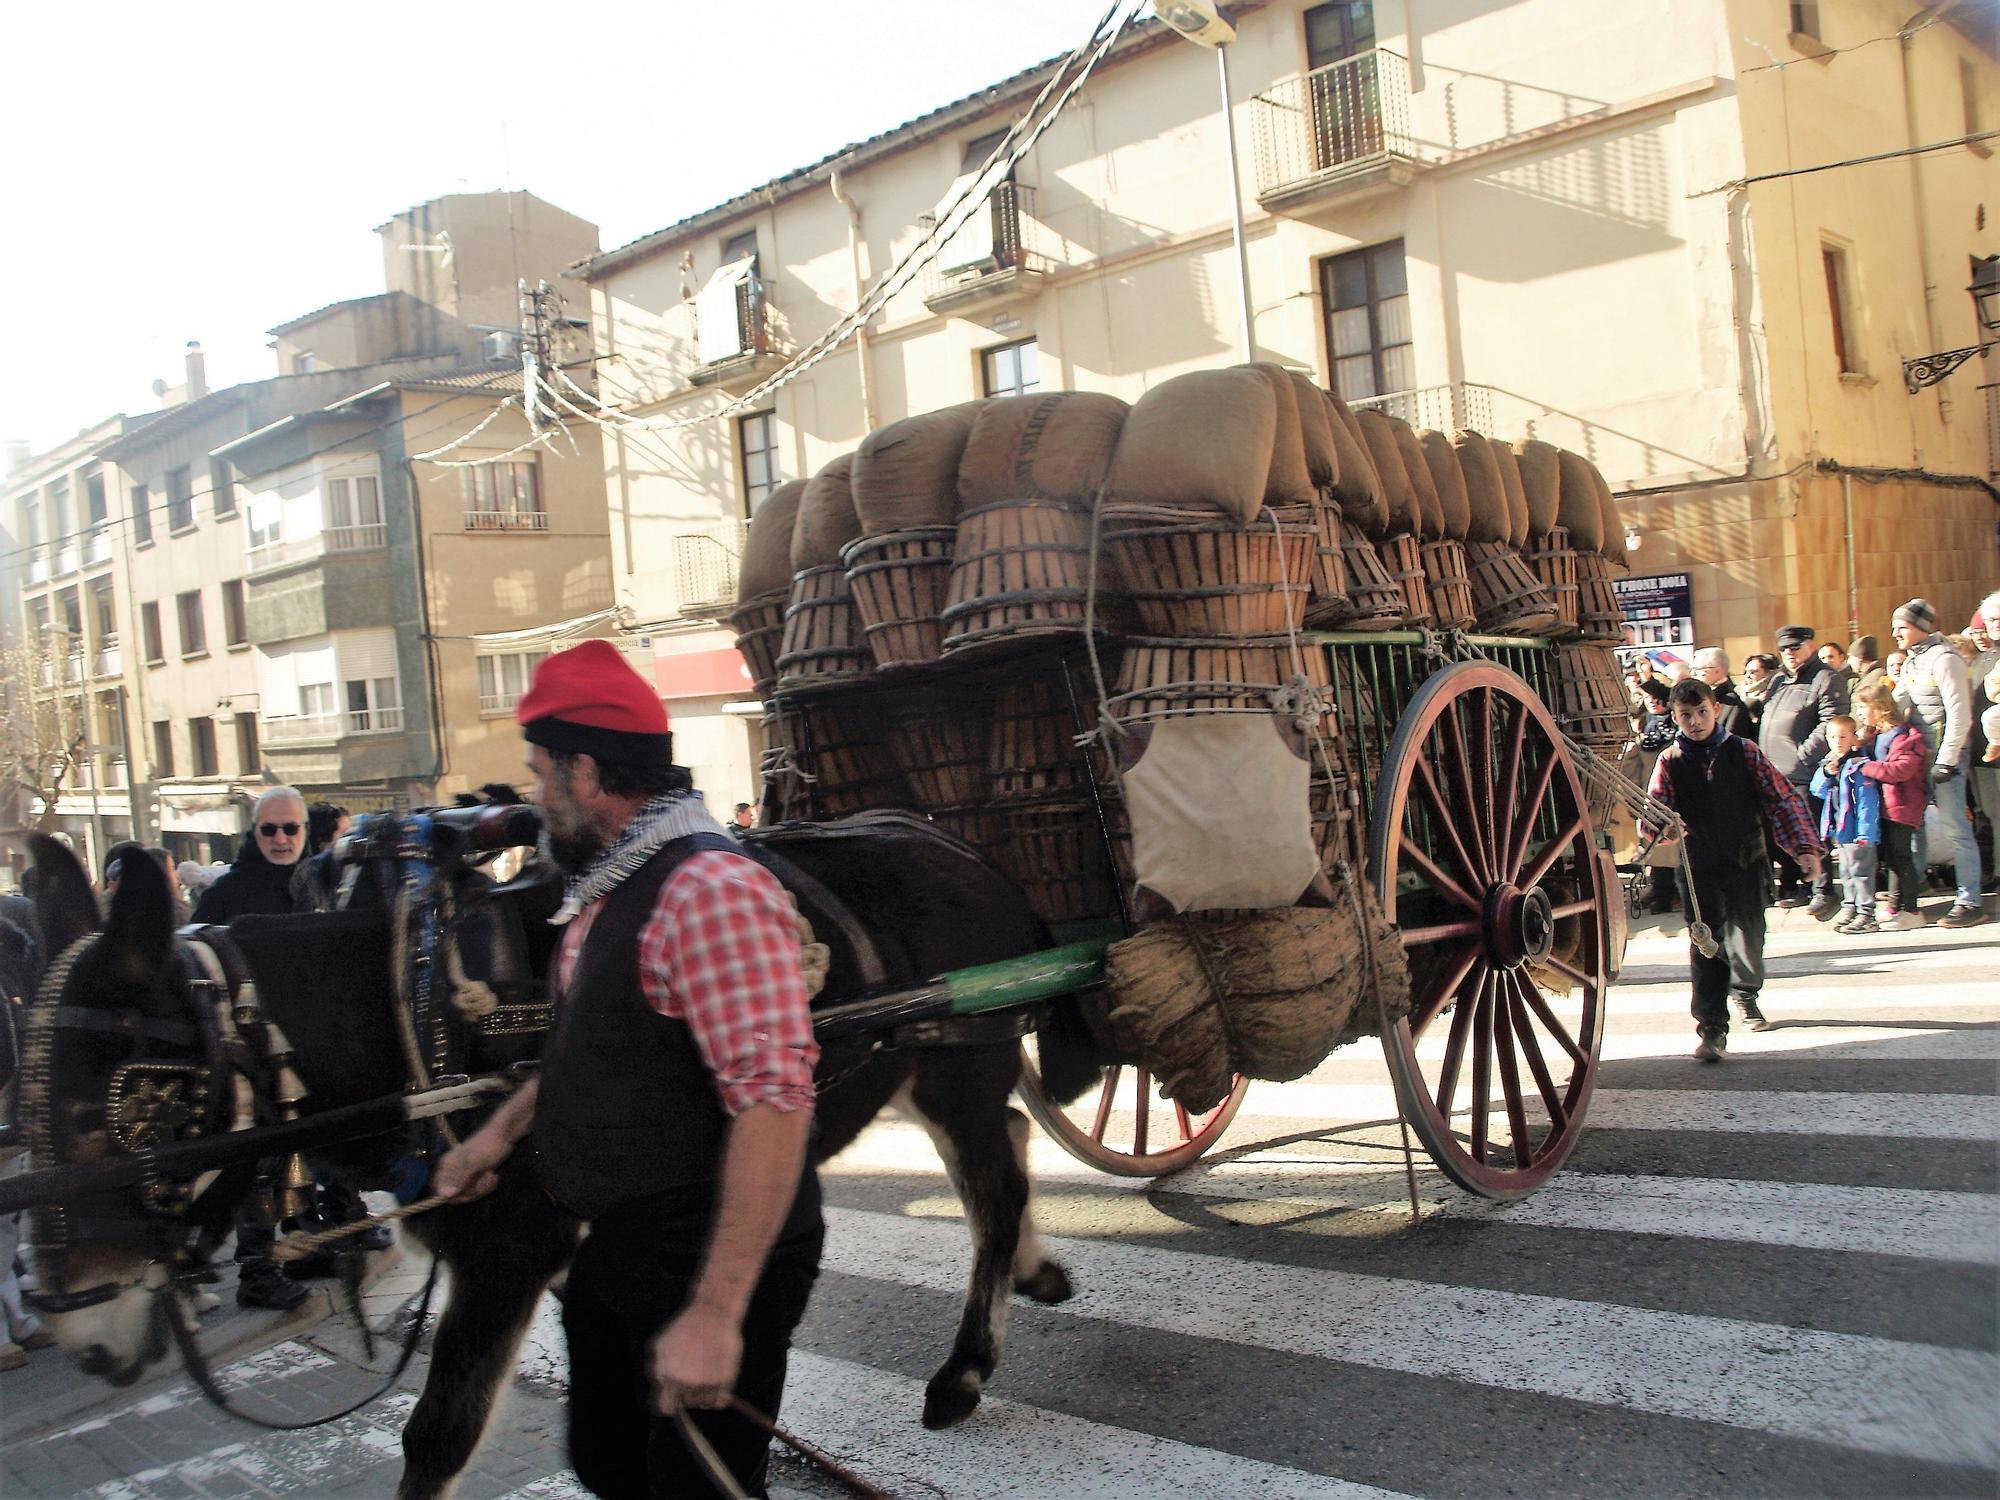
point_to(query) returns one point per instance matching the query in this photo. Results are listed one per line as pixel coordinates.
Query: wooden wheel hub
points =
(1520, 926)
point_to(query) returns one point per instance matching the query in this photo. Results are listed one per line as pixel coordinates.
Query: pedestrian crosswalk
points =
(1782, 1284)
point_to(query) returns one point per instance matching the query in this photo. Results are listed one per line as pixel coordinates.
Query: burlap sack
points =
(1441, 453)
(1541, 483)
(1055, 446)
(827, 521)
(1487, 518)
(1401, 512)
(1576, 501)
(905, 475)
(1201, 441)
(1265, 994)
(1315, 431)
(1609, 517)
(1430, 509)
(767, 551)
(1358, 489)
(1517, 494)
(1289, 482)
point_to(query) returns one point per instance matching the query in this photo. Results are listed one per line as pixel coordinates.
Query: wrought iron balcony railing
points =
(1443, 407)
(705, 560)
(1333, 120)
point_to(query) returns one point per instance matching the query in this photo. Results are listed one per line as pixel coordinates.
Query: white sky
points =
(206, 170)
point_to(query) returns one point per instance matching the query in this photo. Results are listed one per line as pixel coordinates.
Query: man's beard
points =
(574, 849)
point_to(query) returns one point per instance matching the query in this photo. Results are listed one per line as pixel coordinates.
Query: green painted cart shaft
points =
(974, 991)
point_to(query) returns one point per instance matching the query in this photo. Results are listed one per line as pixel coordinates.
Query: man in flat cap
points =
(1792, 735)
(1935, 687)
(675, 1099)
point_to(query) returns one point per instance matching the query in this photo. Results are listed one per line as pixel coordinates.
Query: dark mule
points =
(894, 900)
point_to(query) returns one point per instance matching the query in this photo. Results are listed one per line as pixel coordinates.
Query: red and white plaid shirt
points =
(721, 952)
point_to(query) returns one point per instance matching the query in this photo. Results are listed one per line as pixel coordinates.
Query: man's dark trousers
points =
(631, 1275)
(1732, 904)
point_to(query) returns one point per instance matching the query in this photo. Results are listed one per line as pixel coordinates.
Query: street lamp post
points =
(1202, 23)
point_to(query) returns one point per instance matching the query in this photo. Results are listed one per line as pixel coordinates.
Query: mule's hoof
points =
(949, 1399)
(1050, 1283)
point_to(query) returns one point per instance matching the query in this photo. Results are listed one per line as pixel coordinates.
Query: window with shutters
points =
(504, 496)
(1367, 300)
(504, 677)
(374, 706)
(201, 748)
(194, 624)
(163, 749)
(757, 444)
(180, 500)
(222, 486)
(141, 504)
(235, 622)
(1840, 309)
(249, 759)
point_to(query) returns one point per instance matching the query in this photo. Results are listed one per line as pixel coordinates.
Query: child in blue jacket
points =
(1851, 817)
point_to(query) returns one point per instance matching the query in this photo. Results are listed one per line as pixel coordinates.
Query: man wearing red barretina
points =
(675, 1100)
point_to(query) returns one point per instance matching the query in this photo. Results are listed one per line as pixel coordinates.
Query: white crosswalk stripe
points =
(1842, 1389)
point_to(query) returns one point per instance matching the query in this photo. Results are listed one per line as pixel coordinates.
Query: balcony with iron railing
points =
(757, 349)
(1338, 132)
(1443, 407)
(704, 558)
(506, 520)
(1014, 267)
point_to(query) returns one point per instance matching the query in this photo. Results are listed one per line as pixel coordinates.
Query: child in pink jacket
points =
(1898, 758)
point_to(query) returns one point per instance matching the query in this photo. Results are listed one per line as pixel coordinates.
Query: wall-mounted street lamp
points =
(1929, 369)
(1205, 24)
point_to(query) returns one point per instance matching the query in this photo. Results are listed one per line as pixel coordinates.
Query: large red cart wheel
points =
(1482, 847)
(1122, 1126)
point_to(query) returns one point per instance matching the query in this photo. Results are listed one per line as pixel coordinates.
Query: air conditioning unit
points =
(503, 348)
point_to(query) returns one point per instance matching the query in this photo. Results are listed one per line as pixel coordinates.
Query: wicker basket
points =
(899, 582)
(1214, 578)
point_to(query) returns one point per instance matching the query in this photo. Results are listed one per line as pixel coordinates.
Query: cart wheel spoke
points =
(1423, 1012)
(1510, 777)
(1105, 1099)
(1504, 1044)
(1444, 820)
(1468, 795)
(1181, 1120)
(1555, 1028)
(1445, 932)
(1568, 971)
(1526, 814)
(1551, 852)
(1573, 909)
(1482, 773)
(1532, 1050)
(1482, 1068)
(1140, 1107)
(1454, 1046)
(1434, 873)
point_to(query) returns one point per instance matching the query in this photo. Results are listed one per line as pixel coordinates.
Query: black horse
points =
(895, 900)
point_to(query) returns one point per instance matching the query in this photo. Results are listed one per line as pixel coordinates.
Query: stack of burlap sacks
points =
(891, 608)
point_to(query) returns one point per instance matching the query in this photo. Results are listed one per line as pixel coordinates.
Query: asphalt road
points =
(1776, 1277)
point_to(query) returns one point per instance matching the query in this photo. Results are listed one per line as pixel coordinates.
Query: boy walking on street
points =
(1851, 821)
(1725, 790)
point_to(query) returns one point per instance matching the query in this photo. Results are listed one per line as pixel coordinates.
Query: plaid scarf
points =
(657, 823)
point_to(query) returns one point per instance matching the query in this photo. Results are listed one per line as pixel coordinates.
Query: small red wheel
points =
(1122, 1126)
(1481, 845)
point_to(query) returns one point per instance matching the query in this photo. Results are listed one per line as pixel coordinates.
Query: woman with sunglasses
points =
(260, 882)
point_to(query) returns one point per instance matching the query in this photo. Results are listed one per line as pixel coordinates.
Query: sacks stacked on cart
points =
(901, 612)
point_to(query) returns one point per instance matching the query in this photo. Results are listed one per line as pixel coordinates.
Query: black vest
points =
(1724, 817)
(628, 1110)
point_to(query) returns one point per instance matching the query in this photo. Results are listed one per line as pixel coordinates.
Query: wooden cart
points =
(1481, 842)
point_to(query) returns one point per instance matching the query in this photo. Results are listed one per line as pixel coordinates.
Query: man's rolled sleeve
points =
(721, 952)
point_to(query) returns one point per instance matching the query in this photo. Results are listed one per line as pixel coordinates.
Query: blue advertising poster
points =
(1658, 611)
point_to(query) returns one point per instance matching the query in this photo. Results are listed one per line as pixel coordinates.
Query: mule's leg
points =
(1036, 1275)
(498, 1272)
(960, 1096)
